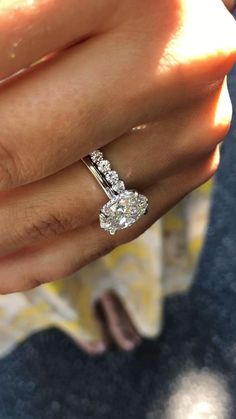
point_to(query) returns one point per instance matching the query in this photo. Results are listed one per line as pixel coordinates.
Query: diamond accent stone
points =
(104, 166)
(119, 186)
(96, 156)
(123, 211)
(112, 177)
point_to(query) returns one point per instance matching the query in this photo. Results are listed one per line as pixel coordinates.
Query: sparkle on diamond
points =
(123, 211)
(112, 177)
(96, 156)
(104, 166)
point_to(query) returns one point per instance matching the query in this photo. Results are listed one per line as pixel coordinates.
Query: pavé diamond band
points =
(124, 207)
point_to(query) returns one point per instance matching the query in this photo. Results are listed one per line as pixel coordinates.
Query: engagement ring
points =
(125, 207)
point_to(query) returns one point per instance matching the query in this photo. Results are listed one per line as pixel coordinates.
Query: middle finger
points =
(83, 100)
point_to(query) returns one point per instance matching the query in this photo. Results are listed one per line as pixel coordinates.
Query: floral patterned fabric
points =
(142, 273)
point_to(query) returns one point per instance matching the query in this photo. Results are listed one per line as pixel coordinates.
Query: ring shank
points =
(98, 176)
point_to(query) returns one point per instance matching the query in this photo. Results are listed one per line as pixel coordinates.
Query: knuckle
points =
(216, 67)
(202, 172)
(41, 226)
(211, 57)
(213, 123)
(223, 112)
(217, 134)
(210, 165)
(211, 138)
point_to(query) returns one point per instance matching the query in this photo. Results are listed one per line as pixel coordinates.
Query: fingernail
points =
(130, 345)
(100, 347)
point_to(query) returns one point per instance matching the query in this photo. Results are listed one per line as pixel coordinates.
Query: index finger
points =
(32, 29)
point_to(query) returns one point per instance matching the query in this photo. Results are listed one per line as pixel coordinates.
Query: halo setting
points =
(122, 211)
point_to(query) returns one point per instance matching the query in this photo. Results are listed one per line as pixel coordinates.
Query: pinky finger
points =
(52, 260)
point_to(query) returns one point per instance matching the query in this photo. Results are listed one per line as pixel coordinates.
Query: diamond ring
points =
(124, 207)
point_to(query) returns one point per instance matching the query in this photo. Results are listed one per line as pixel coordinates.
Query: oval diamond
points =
(123, 211)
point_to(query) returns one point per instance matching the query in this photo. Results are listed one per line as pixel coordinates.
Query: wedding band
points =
(125, 207)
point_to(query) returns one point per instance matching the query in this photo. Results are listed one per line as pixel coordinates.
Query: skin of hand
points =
(230, 4)
(118, 65)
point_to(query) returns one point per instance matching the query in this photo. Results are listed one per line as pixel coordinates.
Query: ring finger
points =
(71, 199)
(56, 258)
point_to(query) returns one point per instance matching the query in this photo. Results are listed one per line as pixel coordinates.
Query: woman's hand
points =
(162, 63)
